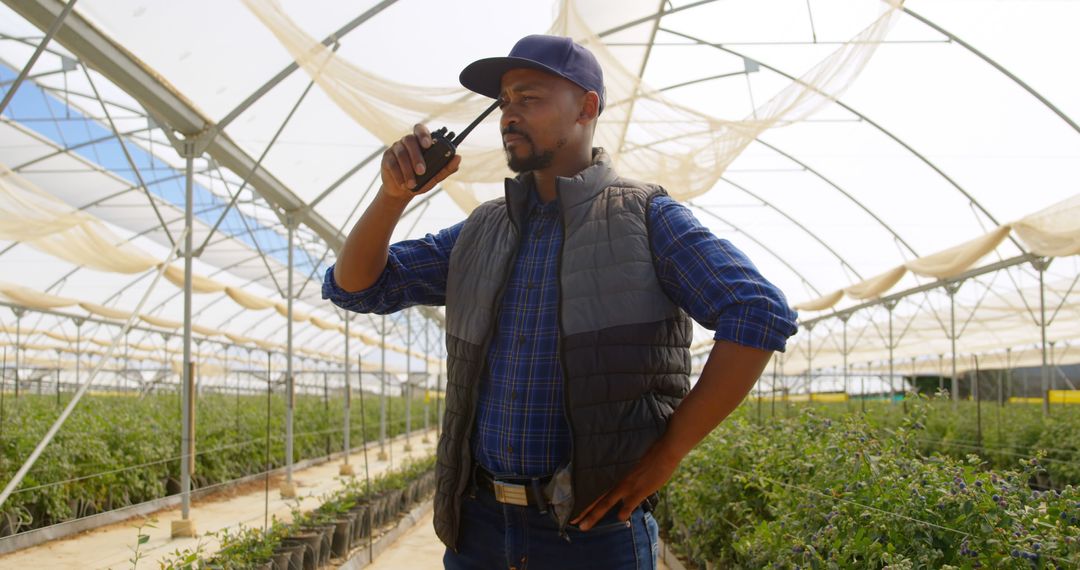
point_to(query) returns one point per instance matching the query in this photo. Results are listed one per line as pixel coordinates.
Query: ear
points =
(590, 107)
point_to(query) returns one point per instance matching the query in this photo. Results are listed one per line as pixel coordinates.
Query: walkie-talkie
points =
(444, 147)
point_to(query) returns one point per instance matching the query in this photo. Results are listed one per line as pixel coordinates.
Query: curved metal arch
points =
(995, 65)
(787, 216)
(847, 195)
(760, 244)
(926, 21)
(971, 199)
(813, 171)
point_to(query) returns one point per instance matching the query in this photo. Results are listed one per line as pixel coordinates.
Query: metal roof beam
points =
(165, 104)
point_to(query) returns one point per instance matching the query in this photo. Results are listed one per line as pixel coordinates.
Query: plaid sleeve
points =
(714, 282)
(415, 274)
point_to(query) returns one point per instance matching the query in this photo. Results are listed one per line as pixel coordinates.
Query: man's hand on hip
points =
(727, 377)
(654, 469)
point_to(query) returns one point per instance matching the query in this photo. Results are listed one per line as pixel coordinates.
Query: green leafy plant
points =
(141, 539)
(827, 489)
(115, 451)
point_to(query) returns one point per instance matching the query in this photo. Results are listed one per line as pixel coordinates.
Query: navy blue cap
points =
(553, 54)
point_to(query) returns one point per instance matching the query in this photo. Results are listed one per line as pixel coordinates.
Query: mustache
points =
(514, 130)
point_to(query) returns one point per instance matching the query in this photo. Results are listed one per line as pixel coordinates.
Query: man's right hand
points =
(404, 161)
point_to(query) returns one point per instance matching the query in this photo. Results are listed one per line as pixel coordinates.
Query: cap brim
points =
(484, 76)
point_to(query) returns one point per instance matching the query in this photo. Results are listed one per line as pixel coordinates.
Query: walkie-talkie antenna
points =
(461, 137)
(442, 149)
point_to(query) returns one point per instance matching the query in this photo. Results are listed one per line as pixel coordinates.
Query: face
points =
(541, 117)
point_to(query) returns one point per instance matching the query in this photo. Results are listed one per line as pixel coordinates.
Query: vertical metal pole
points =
(772, 404)
(185, 386)
(3, 388)
(951, 289)
(348, 393)
(978, 402)
(1044, 371)
(1001, 404)
(427, 378)
(809, 359)
(18, 340)
(407, 389)
(59, 366)
(290, 395)
(326, 406)
(889, 306)
(784, 381)
(847, 397)
(78, 351)
(862, 384)
(1008, 371)
(941, 373)
(266, 447)
(225, 387)
(382, 392)
(914, 381)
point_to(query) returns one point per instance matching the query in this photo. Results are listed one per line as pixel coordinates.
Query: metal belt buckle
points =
(510, 494)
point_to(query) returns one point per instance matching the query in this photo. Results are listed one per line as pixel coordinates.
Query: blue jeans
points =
(496, 536)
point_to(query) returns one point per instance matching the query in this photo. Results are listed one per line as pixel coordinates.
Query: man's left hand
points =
(654, 469)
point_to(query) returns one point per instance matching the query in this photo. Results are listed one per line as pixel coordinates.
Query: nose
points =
(508, 117)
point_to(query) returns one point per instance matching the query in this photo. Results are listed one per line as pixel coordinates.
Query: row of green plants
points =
(346, 519)
(818, 488)
(1000, 435)
(116, 451)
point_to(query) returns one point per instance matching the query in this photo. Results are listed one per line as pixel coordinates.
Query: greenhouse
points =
(178, 178)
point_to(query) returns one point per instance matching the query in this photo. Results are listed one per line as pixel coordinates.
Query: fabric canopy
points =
(29, 214)
(199, 284)
(248, 300)
(103, 311)
(30, 298)
(873, 287)
(702, 146)
(1053, 231)
(821, 303)
(160, 322)
(955, 260)
(298, 316)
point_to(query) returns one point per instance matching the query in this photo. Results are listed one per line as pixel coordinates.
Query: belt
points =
(521, 492)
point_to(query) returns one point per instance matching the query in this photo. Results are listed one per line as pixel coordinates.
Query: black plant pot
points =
(342, 541)
(325, 533)
(362, 522)
(281, 558)
(311, 545)
(394, 504)
(297, 553)
(378, 510)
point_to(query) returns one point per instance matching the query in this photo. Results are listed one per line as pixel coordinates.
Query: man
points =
(568, 306)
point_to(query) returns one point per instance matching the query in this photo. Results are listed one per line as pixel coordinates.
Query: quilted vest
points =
(624, 346)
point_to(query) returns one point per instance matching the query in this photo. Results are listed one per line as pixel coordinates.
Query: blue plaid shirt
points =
(520, 428)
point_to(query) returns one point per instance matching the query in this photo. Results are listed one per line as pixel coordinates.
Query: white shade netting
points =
(707, 155)
(689, 152)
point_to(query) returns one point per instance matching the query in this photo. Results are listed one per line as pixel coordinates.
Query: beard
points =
(536, 159)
